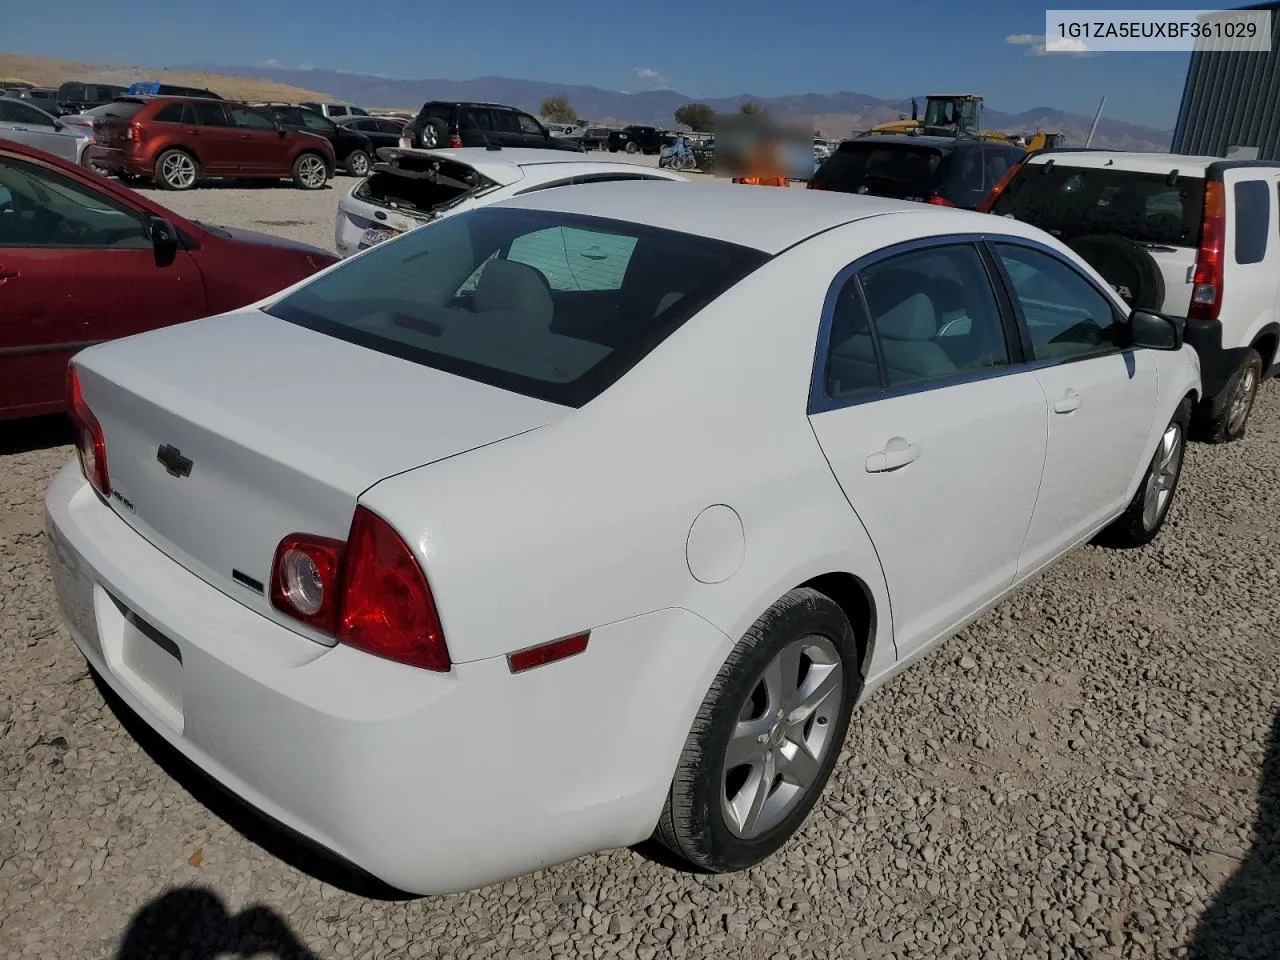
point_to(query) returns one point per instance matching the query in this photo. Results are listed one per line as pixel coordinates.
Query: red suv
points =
(179, 140)
(83, 259)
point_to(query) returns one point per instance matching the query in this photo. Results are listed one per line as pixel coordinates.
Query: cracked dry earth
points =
(1090, 771)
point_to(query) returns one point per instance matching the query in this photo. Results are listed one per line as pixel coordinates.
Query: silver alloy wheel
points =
(1164, 474)
(430, 137)
(178, 170)
(311, 172)
(782, 736)
(360, 164)
(1242, 400)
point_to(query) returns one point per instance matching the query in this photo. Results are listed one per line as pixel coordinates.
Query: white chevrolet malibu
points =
(592, 515)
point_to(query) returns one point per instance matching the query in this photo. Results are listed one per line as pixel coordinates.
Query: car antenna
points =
(1172, 179)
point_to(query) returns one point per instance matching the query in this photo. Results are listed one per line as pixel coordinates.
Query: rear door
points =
(76, 267)
(1101, 396)
(259, 147)
(216, 142)
(506, 129)
(933, 428)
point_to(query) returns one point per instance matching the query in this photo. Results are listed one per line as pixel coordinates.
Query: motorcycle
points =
(679, 156)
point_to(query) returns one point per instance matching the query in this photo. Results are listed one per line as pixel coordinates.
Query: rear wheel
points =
(1241, 391)
(358, 163)
(433, 134)
(766, 737)
(309, 172)
(176, 170)
(1146, 513)
(632, 148)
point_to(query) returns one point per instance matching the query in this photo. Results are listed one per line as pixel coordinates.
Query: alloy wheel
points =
(1163, 476)
(1242, 400)
(311, 172)
(178, 170)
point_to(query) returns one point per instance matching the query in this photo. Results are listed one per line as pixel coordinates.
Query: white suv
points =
(1186, 236)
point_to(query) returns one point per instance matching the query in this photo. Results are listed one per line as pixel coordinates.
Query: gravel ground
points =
(1077, 775)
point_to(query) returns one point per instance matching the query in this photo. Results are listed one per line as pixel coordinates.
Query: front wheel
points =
(1143, 519)
(1242, 390)
(309, 172)
(766, 737)
(358, 163)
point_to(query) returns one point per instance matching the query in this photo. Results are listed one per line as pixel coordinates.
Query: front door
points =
(506, 129)
(76, 268)
(1101, 399)
(935, 435)
(35, 128)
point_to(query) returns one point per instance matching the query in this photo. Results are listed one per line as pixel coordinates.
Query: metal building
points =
(1231, 101)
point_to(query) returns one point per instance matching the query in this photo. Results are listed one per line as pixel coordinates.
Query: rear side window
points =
(1071, 202)
(551, 305)
(1252, 214)
(206, 114)
(857, 162)
(477, 118)
(169, 113)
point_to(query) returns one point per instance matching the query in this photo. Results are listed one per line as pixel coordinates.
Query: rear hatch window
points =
(550, 305)
(111, 120)
(901, 170)
(421, 185)
(1071, 202)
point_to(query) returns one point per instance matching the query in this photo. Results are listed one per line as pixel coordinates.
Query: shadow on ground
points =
(192, 922)
(1243, 922)
(36, 433)
(275, 838)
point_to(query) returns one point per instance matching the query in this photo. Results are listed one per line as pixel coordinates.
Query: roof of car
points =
(767, 218)
(509, 165)
(905, 139)
(1122, 160)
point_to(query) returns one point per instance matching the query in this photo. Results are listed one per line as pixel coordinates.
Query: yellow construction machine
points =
(955, 114)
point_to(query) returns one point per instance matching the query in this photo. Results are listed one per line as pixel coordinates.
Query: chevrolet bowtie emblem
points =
(172, 460)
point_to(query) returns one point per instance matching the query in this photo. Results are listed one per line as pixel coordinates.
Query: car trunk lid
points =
(225, 434)
(422, 184)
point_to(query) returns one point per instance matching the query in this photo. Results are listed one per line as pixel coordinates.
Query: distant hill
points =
(835, 114)
(46, 72)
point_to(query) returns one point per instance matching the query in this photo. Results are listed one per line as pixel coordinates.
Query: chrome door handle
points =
(897, 453)
(1068, 402)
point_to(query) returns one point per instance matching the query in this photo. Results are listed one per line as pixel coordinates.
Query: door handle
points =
(7, 274)
(897, 453)
(1068, 402)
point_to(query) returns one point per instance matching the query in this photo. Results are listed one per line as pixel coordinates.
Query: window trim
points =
(1024, 332)
(822, 402)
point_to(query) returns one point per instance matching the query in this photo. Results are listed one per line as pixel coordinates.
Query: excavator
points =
(954, 114)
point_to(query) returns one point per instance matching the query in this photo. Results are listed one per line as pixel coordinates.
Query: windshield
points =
(859, 162)
(1070, 202)
(550, 305)
(946, 112)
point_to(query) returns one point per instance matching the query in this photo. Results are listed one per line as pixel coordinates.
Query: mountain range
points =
(834, 114)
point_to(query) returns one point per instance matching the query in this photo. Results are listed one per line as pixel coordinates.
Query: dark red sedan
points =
(83, 259)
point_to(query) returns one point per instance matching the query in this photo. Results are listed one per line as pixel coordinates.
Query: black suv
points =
(636, 139)
(442, 123)
(946, 171)
(76, 97)
(352, 149)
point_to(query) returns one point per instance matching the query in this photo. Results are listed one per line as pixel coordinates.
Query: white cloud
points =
(651, 78)
(1036, 46)
(273, 63)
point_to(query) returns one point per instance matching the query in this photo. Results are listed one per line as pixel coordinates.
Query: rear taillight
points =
(990, 199)
(134, 132)
(369, 592)
(91, 446)
(1206, 294)
(455, 141)
(939, 201)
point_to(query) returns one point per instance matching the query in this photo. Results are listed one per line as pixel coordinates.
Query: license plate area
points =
(374, 235)
(148, 661)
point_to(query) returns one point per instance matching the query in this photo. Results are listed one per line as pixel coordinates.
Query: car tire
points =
(1144, 518)
(1240, 393)
(433, 134)
(722, 816)
(176, 170)
(632, 148)
(357, 163)
(310, 172)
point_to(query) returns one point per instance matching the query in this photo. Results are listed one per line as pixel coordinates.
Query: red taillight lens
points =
(990, 199)
(386, 605)
(938, 201)
(91, 446)
(1206, 294)
(455, 141)
(134, 132)
(305, 579)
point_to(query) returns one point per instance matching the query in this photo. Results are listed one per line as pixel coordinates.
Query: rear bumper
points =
(117, 161)
(433, 783)
(1217, 363)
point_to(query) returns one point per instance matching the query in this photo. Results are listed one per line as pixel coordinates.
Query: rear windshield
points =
(120, 109)
(858, 162)
(1070, 202)
(550, 305)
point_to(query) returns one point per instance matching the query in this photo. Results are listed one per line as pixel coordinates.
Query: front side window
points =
(504, 121)
(529, 125)
(12, 112)
(932, 314)
(42, 209)
(248, 119)
(1066, 316)
(551, 305)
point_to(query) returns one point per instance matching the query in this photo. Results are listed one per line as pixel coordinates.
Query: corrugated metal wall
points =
(1232, 99)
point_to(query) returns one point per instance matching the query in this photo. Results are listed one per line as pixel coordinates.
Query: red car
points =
(178, 141)
(83, 259)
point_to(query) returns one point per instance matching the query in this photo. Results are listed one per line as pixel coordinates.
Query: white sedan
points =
(411, 187)
(591, 515)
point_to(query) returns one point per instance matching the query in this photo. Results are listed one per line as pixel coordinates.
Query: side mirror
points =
(164, 238)
(1155, 331)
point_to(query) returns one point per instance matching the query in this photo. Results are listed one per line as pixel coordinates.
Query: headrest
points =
(913, 319)
(507, 285)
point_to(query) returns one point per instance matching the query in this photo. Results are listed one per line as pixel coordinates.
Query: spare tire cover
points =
(1130, 269)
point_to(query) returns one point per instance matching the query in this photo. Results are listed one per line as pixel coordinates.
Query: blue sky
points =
(703, 49)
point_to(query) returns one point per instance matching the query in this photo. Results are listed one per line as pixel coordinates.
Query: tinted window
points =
(247, 119)
(50, 211)
(903, 166)
(1070, 202)
(121, 109)
(529, 125)
(11, 112)
(967, 183)
(71, 91)
(385, 126)
(504, 121)
(207, 114)
(1252, 214)
(337, 111)
(313, 121)
(933, 314)
(1066, 316)
(557, 307)
(476, 118)
(169, 113)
